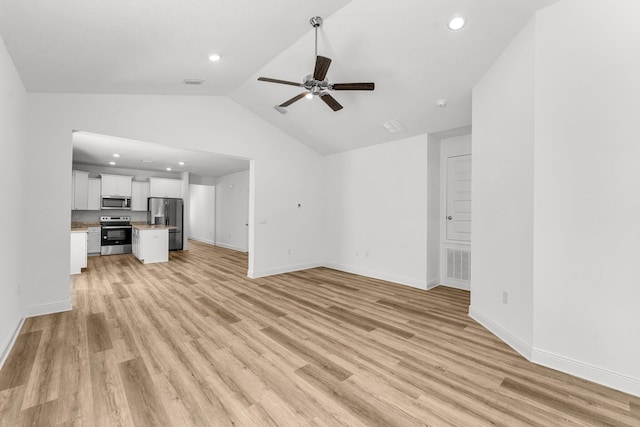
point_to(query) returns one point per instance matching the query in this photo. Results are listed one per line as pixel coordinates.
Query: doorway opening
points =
(201, 174)
(449, 209)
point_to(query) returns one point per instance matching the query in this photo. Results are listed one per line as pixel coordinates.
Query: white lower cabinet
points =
(78, 251)
(150, 245)
(94, 240)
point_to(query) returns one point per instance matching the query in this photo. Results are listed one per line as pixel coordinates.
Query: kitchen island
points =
(150, 243)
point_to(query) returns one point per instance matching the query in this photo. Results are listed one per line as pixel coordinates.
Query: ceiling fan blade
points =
(284, 82)
(331, 102)
(353, 86)
(322, 66)
(294, 99)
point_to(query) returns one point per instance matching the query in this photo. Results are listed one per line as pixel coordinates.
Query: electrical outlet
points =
(505, 297)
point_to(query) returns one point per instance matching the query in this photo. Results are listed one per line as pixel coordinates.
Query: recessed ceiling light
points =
(442, 103)
(215, 57)
(168, 169)
(112, 163)
(456, 23)
(116, 155)
(181, 163)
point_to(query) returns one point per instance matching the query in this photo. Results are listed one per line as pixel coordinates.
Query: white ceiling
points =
(151, 46)
(94, 149)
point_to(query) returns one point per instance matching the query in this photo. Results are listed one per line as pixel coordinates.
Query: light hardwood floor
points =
(194, 342)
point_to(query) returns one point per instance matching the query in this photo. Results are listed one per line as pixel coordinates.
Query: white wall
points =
(202, 207)
(587, 197)
(12, 141)
(215, 124)
(232, 208)
(376, 211)
(433, 210)
(555, 182)
(502, 188)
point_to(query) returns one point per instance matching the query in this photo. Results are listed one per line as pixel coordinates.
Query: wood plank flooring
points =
(194, 342)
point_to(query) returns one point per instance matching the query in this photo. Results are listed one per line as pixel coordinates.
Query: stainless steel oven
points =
(116, 235)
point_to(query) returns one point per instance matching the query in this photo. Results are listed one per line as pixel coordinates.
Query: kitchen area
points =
(115, 214)
(144, 200)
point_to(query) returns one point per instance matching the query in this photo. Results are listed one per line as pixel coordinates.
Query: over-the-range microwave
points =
(115, 202)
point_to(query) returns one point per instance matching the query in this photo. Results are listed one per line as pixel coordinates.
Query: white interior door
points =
(458, 198)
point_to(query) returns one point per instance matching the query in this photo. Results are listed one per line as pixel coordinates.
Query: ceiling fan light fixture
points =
(456, 23)
(309, 95)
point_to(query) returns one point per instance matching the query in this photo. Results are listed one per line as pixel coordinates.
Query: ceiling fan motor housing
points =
(315, 86)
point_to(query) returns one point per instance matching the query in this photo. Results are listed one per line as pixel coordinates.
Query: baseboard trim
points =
(235, 248)
(208, 242)
(255, 274)
(50, 308)
(510, 339)
(433, 284)
(9, 342)
(457, 285)
(414, 283)
(558, 362)
(587, 371)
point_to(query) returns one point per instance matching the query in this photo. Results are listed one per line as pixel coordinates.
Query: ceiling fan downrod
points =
(315, 22)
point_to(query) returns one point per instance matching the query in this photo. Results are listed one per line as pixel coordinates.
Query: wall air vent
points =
(193, 81)
(458, 264)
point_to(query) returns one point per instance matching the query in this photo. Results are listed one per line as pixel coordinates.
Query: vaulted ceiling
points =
(151, 46)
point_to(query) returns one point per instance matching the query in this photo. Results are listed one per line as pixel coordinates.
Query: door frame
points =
(451, 147)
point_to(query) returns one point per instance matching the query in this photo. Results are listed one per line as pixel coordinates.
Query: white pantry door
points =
(458, 198)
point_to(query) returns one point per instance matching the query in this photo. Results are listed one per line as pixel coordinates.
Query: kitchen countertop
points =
(154, 227)
(83, 227)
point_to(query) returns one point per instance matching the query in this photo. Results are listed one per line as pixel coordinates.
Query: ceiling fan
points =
(316, 84)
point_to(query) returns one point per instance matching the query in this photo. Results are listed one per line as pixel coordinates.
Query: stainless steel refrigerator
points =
(165, 211)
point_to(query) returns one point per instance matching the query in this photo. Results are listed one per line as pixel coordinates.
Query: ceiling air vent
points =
(193, 81)
(394, 126)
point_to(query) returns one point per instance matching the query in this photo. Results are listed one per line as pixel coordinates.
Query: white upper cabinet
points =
(116, 185)
(79, 195)
(139, 195)
(163, 187)
(93, 202)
